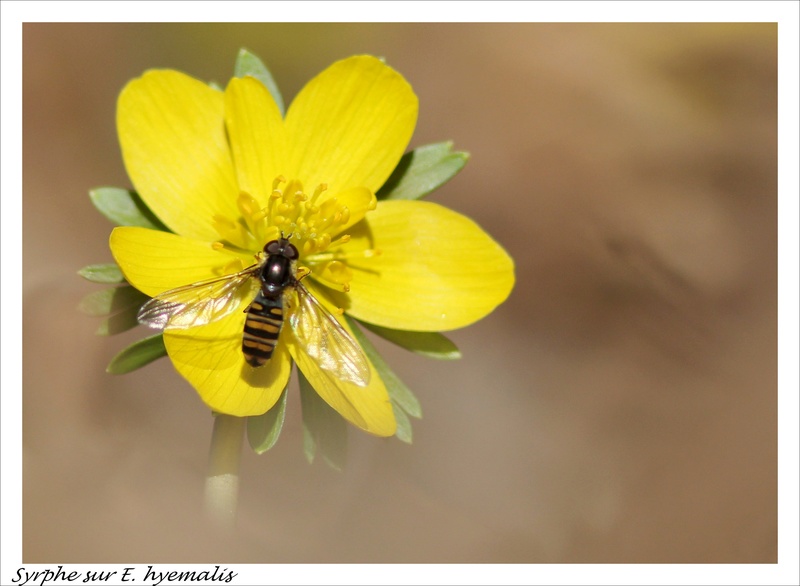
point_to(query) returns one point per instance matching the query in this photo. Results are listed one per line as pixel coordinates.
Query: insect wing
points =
(326, 341)
(200, 303)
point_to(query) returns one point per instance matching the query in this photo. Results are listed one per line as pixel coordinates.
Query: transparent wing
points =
(200, 303)
(326, 341)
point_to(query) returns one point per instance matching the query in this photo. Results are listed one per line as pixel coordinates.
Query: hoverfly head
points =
(282, 247)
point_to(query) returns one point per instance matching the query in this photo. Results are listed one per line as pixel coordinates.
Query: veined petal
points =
(349, 125)
(172, 133)
(210, 357)
(432, 269)
(368, 408)
(257, 135)
(154, 261)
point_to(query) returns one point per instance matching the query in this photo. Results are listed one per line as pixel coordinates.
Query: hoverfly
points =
(269, 283)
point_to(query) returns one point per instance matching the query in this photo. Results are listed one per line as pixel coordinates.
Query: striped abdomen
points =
(261, 328)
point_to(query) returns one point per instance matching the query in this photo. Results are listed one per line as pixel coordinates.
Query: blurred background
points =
(619, 407)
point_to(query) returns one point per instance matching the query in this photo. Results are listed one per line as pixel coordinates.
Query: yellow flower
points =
(227, 173)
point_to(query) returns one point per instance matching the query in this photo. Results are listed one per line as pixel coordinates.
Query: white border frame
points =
(786, 14)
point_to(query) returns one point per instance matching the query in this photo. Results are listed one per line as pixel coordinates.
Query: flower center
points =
(311, 224)
(314, 228)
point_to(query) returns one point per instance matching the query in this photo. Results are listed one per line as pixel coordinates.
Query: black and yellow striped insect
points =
(272, 286)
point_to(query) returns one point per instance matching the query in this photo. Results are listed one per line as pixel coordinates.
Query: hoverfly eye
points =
(273, 247)
(290, 251)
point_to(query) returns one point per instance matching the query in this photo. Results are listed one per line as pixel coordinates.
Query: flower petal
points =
(368, 408)
(434, 270)
(155, 261)
(257, 135)
(174, 146)
(210, 357)
(349, 126)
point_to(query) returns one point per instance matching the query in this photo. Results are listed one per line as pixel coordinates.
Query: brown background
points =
(620, 407)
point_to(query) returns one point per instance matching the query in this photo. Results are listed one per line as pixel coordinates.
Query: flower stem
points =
(222, 480)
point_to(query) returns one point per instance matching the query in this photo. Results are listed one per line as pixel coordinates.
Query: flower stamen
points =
(318, 191)
(235, 234)
(334, 274)
(313, 223)
(343, 239)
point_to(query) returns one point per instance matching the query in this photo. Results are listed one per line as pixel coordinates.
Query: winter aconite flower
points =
(226, 173)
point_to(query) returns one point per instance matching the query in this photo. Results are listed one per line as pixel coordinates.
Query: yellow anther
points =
(312, 219)
(343, 239)
(247, 204)
(318, 191)
(334, 274)
(217, 245)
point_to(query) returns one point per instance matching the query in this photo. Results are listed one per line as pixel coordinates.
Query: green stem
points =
(222, 480)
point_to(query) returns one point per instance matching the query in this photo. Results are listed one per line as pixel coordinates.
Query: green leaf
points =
(430, 344)
(102, 273)
(324, 430)
(263, 431)
(113, 300)
(249, 64)
(119, 322)
(138, 355)
(399, 393)
(403, 432)
(422, 170)
(125, 208)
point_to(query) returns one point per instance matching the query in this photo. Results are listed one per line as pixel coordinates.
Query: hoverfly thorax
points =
(279, 268)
